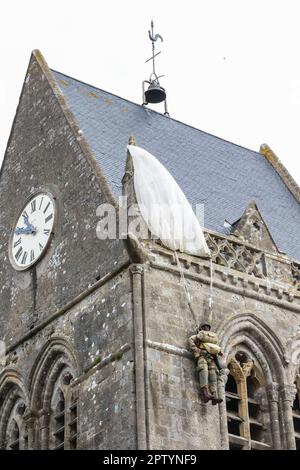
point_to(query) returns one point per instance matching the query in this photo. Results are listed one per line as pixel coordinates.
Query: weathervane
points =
(155, 92)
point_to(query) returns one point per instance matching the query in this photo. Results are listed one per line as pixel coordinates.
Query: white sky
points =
(232, 66)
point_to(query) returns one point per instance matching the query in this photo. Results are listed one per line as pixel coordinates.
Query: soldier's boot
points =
(214, 399)
(205, 395)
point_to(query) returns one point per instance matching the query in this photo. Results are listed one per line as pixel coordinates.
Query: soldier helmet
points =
(204, 324)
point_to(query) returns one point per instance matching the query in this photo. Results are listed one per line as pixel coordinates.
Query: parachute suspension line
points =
(210, 299)
(185, 288)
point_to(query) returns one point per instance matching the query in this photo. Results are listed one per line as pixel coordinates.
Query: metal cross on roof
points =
(155, 93)
(153, 39)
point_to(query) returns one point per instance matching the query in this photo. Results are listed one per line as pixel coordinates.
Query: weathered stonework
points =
(75, 305)
(106, 323)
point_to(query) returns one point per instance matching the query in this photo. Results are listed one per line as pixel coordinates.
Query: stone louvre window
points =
(15, 435)
(50, 419)
(63, 415)
(245, 403)
(59, 421)
(64, 422)
(296, 413)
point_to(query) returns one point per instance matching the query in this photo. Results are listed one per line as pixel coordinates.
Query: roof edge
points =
(284, 174)
(14, 119)
(81, 140)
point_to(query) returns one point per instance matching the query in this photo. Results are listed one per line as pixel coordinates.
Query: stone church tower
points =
(95, 332)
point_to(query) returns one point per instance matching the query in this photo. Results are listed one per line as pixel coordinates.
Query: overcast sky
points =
(232, 67)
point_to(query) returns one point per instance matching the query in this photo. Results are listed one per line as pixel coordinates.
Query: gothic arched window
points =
(233, 401)
(254, 391)
(245, 404)
(13, 436)
(14, 431)
(53, 393)
(59, 421)
(73, 417)
(63, 422)
(296, 414)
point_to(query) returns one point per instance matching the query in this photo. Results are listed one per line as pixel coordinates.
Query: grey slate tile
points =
(222, 175)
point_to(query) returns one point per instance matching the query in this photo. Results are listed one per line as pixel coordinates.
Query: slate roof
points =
(223, 176)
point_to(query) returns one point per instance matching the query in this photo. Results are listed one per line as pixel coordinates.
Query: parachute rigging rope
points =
(185, 287)
(210, 300)
(187, 292)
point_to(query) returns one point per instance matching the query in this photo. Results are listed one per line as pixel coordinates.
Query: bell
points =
(155, 93)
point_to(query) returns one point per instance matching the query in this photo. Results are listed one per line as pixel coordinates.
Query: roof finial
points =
(154, 39)
(132, 140)
(155, 92)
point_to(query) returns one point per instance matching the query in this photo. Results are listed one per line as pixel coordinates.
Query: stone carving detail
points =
(247, 368)
(296, 275)
(288, 393)
(235, 255)
(236, 370)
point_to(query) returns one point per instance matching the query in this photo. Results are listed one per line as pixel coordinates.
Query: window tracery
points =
(245, 403)
(63, 421)
(296, 412)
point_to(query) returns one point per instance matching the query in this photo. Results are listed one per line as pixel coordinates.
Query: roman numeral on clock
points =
(24, 257)
(33, 205)
(46, 231)
(46, 208)
(48, 218)
(41, 246)
(17, 242)
(41, 203)
(32, 256)
(19, 253)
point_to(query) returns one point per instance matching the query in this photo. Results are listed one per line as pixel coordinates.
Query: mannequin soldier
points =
(206, 350)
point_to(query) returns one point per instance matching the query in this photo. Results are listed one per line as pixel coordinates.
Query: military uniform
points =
(205, 348)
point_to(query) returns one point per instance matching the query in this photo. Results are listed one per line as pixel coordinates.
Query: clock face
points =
(32, 231)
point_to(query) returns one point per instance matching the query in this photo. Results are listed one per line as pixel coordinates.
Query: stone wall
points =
(45, 153)
(242, 315)
(121, 330)
(96, 335)
(73, 309)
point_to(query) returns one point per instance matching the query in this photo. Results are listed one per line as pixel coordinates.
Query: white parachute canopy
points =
(164, 207)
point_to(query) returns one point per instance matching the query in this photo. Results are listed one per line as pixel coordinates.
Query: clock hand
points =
(24, 230)
(25, 217)
(28, 224)
(32, 228)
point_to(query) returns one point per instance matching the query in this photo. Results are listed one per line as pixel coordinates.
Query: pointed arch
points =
(260, 339)
(56, 355)
(54, 369)
(13, 402)
(246, 330)
(11, 376)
